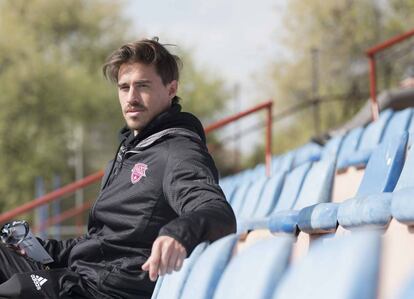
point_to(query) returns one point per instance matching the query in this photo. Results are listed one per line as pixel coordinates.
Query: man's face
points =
(142, 94)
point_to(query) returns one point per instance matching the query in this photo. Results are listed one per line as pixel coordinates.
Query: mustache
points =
(130, 108)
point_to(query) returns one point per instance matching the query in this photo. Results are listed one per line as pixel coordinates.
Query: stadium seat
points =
(331, 148)
(345, 267)
(309, 152)
(373, 209)
(171, 286)
(255, 272)
(208, 268)
(370, 139)
(317, 188)
(397, 124)
(348, 146)
(239, 196)
(252, 198)
(381, 175)
(291, 188)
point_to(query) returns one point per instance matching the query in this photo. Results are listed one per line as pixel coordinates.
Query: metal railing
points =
(371, 52)
(93, 178)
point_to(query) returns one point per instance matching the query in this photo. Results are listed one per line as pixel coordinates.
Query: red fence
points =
(91, 179)
(371, 52)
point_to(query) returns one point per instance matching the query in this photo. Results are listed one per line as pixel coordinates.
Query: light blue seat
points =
(397, 124)
(309, 152)
(381, 175)
(270, 195)
(402, 202)
(349, 144)
(239, 196)
(331, 148)
(341, 268)
(207, 270)
(317, 188)
(290, 191)
(171, 286)
(373, 209)
(228, 188)
(252, 198)
(283, 163)
(370, 139)
(256, 271)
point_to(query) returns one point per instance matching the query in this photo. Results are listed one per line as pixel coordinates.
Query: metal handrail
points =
(72, 187)
(371, 52)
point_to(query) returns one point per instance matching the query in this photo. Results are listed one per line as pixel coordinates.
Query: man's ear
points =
(172, 89)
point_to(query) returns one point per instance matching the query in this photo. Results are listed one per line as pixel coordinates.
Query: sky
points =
(236, 39)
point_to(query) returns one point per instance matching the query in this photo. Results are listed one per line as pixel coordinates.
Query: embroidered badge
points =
(138, 172)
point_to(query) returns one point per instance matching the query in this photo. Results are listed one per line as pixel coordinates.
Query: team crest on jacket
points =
(138, 172)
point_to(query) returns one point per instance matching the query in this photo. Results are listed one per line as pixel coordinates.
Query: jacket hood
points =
(172, 118)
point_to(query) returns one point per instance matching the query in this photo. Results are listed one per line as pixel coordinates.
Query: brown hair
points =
(146, 51)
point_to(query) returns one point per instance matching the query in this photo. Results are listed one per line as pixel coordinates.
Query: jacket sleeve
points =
(59, 250)
(192, 191)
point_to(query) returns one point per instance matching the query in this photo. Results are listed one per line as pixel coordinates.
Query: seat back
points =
(349, 144)
(332, 147)
(270, 195)
(171, 286)
(291, 187)
(318, 184)
(374, 131)
(252, 199)
(208, 269)
(384, 167)
(255, 272)
(343, 268)
(397, 124)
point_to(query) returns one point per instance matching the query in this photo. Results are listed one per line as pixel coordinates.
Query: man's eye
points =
(142, 85)
(124, 88)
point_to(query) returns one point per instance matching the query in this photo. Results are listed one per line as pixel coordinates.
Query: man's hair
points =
(146, 51)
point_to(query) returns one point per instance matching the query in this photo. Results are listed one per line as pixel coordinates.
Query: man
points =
(159, 196)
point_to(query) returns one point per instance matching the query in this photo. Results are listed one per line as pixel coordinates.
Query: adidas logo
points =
(38, 281)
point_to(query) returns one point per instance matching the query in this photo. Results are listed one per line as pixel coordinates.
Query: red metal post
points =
(372, 71)
(373, 88)
(51, 196)
(269, 141)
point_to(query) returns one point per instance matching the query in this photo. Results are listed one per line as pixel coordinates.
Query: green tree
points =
(341, 31)
(51, 85)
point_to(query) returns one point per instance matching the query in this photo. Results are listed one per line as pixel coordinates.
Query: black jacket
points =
(163, 182)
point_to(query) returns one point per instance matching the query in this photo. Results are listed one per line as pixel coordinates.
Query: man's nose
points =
(133, 96)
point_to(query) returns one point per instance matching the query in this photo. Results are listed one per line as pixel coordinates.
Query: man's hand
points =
(167, 254)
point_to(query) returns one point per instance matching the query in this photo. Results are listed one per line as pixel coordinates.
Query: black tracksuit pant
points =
(21, 277)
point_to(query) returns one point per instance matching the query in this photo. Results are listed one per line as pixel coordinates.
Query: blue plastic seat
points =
(252, 198)
(317, 188)
(283, 163)
(239, 196)
(348, 146)
(381, 175)
(370, 139)
(290, 191)
(331, 148)
(341, 268)
(256, 271)
(402, 202)
(397, 124)
(171, 286)
(207, 270)
(309, 152)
